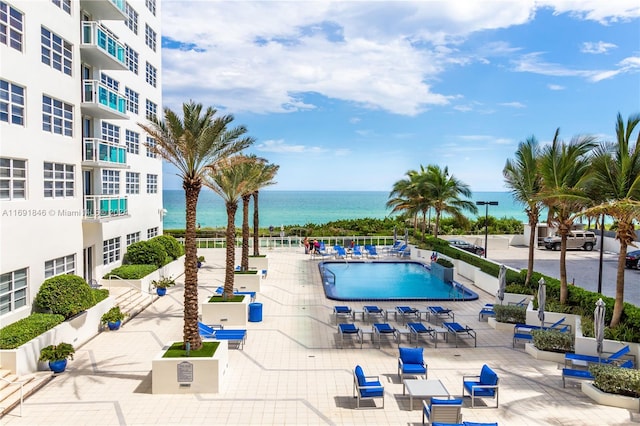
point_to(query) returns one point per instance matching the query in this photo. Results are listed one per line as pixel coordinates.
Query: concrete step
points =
(10, 392)
(134, 303)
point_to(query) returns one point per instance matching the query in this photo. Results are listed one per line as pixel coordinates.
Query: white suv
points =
(575, 240)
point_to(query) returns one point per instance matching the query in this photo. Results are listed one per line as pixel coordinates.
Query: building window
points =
(132, 100)
(63, 4)
(11, 29)
(13, 179)
(60, 266)
(133, 238)
(131, 58)
(150, 37)
(152, 232)
(151, 143)
(111, 250)
(13, 290)
(11, 103)
(132, 18)
(152, 184)
(152, 110)
(133, 142)
(109, 82)
(132, 183)
(110, 132)
(152, 74)
(56, 51)
(57, 116)
(110, 182)
(151, 5)
(59, 180)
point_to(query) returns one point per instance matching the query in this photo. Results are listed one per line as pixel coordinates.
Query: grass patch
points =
(252, 272)
(206, 351)
(219, 299)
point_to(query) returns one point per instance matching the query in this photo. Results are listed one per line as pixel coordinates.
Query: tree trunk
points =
(232, 207)
(619, 303)
(533, 224)
(244, 262)
(437, 224)
(256, 227)
(564, 291)
(190, 327)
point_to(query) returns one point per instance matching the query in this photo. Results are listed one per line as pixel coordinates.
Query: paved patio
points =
(291, 372)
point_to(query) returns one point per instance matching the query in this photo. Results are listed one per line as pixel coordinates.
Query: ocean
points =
(311, 207)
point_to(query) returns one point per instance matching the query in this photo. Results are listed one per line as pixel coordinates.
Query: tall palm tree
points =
(405, 195)
(521, 175)
(230, 180)
(564, 169)
(267, 174)
(444, 191)
(617, 174)
(192, 143)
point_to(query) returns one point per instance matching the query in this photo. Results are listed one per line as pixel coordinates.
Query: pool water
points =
(358, 280)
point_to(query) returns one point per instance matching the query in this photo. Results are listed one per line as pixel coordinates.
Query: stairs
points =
(10, 389)
(132, 301)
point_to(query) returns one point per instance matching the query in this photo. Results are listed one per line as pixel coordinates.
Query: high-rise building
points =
(77, 180)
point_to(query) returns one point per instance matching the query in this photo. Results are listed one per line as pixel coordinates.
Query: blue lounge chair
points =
(523, 302)
(458, 330)
(569, 358)
(440, 313)
(236, 337)
(349, 330)
(417, 329)
(342, 311)
(341, 253)
(522, 332)
(366, 387)
(486, 311)
(404, 251)
(407, 312)
(380, 329)
(411, 362)
(483, 385)
(251, 294)
(372, 311)
(371, 251)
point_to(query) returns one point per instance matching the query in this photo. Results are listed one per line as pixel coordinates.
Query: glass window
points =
(111, 83)
(133, 142)
(59, 180)
(132, 100)
(133, 238)
(110, 182)
(151, 143)
(132, 18)
(13, 179)
(11, 26)
(11, 103)
(56, 51)
(57, 116)
(151, 110)
(131, 58)
(111, 250)
(13, 290)
(152, 75)
(132, 183)
(152, 184)
(63, 4)
(151, 5)
(152, 232)
(150, 37)
(60, 266)
(110, 132)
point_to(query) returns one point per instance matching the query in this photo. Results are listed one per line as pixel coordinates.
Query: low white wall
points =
(587, 345)
(247, 282)
(77, 331)
(173, 269)
(226, 313)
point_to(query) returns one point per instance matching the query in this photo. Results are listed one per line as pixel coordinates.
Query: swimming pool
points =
(383, 280)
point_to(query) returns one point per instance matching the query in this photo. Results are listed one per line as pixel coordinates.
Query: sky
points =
(351, 95)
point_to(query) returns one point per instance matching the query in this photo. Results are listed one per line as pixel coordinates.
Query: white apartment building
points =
(77, 182)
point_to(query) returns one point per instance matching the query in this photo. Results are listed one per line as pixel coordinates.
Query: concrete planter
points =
(226, 313)
(445, 274)
(246, 281)
(500, 326)
(258, 263)
(543, 355)
(172, 269)
(77, 331)
(613, 400)
(189, 375)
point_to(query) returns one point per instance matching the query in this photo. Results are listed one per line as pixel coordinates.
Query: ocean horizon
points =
(278, 208)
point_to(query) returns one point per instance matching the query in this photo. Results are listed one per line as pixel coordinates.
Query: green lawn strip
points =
(177, 350)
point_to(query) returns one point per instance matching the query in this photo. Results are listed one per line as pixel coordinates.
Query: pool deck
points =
(291, 372)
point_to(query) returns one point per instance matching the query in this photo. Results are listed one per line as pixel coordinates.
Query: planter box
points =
(258, 263)
(613, 400)
(246, 282)
(77, 331)
(226, 313)
(172, 269)
(500, 326)
(445, 274)
(194, 375)
(544, 355)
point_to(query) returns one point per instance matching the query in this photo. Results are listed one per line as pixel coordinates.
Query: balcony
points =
(100, 48)
(100, 101)
(108, 10)
(105, 207)
(100, 153)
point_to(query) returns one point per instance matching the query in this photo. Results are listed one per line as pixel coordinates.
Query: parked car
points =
(633, 259)
(575, 240)
(471, 248)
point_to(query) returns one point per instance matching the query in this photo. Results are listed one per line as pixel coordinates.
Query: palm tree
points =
(266, 177)
(617, 174)
(564, 170)
(521, 175)
(408, 195)
(444, 191)
(192, 143)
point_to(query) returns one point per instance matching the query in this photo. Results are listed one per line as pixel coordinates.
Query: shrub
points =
(57, 352)
(163, 282)
(66, 295)
(20, 332)
(146, 253)
(510, 314)
(173, 248)
(99, 294)
(112, 315)
(132, 272)
(552, 341)
(620, 381)
(444, 262)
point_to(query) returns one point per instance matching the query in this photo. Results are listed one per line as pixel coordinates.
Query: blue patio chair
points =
(486, 311)
(342, 311)
(458, 330)
(366, 387)
(235, 337)
(440, 313)
(372, 311)
(407, 312)
(371, 251)
(417, 329)
(484, 385)
(341, 253)
(442, 411)
(411, 362)
(380, 329)
(357, 252)
(569, 358)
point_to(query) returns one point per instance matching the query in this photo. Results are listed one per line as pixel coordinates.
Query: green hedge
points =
(131, 272)
(616, 380)
(67, 295)
(171, 246)
(553, 341)
(510, 314)
(20, 332)
(99, 294)
(146, 253)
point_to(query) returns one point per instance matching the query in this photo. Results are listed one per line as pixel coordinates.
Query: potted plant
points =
(200, 261)
(113, 318)
(161, 285)
(57, 355)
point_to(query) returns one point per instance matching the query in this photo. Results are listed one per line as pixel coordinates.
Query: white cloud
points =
(596, 48)
(604, 12)
(555, 87)
(279, 146)
(514, 104)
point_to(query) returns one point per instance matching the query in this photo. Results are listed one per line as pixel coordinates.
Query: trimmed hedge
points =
(20, 332)
(510, 314)
(620, 381)
(553, 341)
(99, 294)
(146, 253)
(131, 272)
(67, 295)
(173, 248)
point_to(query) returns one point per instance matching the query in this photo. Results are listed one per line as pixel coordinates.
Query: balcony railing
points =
(101, 151)
(98, 207)
(105, 9)
(101, 48)
(96, 94)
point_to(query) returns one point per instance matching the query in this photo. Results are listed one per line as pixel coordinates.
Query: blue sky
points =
(351, 95)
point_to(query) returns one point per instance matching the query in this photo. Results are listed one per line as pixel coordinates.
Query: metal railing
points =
(99, 150)
(94, 34)
(96, 92)
(104, 206)
(293, 241)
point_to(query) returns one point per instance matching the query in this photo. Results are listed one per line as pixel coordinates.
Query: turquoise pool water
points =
(358, 280)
